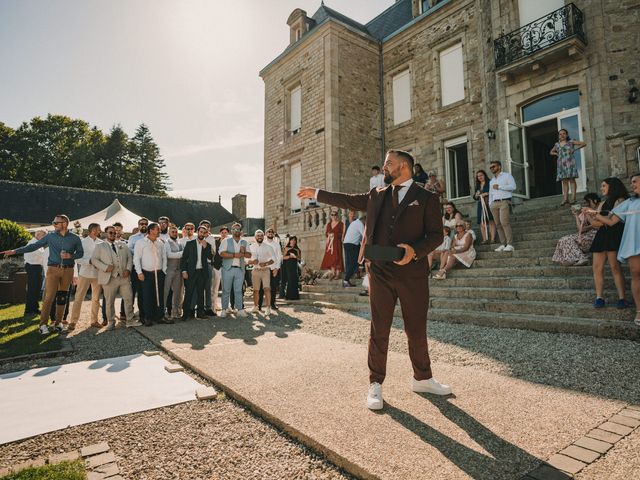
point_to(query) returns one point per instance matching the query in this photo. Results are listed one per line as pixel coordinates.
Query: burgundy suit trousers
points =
(389, 283)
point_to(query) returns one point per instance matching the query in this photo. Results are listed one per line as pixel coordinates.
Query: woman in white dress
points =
(461, 251)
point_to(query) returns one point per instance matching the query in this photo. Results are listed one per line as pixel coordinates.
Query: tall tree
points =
(116, 170)
(8, 165)
(149, 164)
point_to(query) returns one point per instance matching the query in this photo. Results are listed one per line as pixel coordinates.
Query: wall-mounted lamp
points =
(491, 135)
(633, 94)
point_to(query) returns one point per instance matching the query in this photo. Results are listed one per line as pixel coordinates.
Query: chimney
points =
(299, 24)
(239, 206)
(220, 199)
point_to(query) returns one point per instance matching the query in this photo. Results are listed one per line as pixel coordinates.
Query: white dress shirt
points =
(36, 257)
(183, 241)
(506, 184)
(277, 249)
(133, 239)
(86, 269)
(355, 231)
(376, 181)
(149, 256)
(164, 237)
(263, 253)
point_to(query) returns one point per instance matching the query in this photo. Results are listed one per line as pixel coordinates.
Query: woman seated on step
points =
(444, 247)
(573, 249)
(628, 212)
(461, 251)
(451, 216)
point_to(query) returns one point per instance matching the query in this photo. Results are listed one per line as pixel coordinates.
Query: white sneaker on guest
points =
(255, 309)
(223, 313)
(241, 313)
(509, 248)
(44, 330)
(374, 397)
(500, 248)
(267, 312)
(430, 386)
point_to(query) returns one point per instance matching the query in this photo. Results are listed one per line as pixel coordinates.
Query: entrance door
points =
(570, 121)
(517, 165)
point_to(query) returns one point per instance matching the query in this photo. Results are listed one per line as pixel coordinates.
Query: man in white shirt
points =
(216, 271)
(150, 261)
(33, 264)
(262, 257)
(87, 277)
(501, 187)
(207, 284)
(377, 178)
(188, 233)
(173, 281)
(352, 241)
(193, 266)
(164, 228)
(274, 242)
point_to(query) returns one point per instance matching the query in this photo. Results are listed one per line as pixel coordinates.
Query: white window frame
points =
(295, 204)
(454, 142)
(295, 110)
(401, 105)
(448, 77)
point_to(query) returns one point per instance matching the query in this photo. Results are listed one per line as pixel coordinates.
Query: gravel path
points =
(195, 440)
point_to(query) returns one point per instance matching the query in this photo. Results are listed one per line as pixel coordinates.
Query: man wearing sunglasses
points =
(136, 284)
(64, 248)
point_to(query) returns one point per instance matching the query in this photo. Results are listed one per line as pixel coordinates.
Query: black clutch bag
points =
(385, 254)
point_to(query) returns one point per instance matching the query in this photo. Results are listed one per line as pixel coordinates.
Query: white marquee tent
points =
(115, 212)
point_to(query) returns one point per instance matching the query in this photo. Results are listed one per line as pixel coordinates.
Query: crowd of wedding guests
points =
(172, 274)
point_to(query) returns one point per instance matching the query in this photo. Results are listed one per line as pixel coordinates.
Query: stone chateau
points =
(457, 83)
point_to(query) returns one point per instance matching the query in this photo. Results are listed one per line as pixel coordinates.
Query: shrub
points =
(12, 235)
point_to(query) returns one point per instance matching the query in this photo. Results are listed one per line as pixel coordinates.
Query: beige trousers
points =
(123, 286)
(81, 290)
(501, 211)
(58, 279)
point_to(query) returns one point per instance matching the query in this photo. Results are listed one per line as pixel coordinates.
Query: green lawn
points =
(59, 471)
(19, 335)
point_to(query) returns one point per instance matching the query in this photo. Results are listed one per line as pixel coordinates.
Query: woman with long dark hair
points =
(451, 216)
(607, 241)
(332, 259)
(484, 215)
(570, 249)
(567, 170)
(419, 175)
(290, 259)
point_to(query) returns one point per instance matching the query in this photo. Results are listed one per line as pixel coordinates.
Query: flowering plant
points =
(77, 228)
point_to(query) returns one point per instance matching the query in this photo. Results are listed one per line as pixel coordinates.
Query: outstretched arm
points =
(342, 200)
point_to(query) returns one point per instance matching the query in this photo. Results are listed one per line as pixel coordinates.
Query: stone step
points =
(522, 244)
(518, 253)
(584, 282)
(574, 296)
(528, 307)
(482, 262)
(528, 271)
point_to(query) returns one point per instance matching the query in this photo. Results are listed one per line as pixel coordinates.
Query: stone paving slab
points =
(494, 427)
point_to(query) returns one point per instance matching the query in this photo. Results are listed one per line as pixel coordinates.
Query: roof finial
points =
(322, 3)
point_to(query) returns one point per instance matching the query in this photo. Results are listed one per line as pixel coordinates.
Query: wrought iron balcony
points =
(555, 27)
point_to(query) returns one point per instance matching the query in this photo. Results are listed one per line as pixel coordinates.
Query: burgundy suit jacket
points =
(418, 219)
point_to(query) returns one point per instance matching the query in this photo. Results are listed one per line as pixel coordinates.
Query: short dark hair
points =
(63, 217)
(202, 227)
(143, 219)
(204, 221)
(152, 226)
(118, 224)
(224, 228)
(108, 227)
(592, 196)
(92, 226)
(496, 162)
(163, 219)
(375, 167)
(447, 229)
(406, 156)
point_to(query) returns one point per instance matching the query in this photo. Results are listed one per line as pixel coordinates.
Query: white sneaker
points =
(242, 313)
(134, 323)
(255, 309)
(44, 330)
(267, 311)
(274, 312)
(509, 248)
(430, 386)
(223, 313)
(60, 329)
(499, 249)
(374, 397)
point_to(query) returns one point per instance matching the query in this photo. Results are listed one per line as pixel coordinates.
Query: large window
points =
(295, 112)
(550, 105)
(531, 10)
(451, 75)
(401, 97)
(296, 182)
(457, 168)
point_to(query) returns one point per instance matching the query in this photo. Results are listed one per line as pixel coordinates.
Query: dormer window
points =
(298, 34)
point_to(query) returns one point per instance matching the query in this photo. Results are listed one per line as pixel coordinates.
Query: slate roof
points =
(324, 12)
(37, 204)
(393, 18)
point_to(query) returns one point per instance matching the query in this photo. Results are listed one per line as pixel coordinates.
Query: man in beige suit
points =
(114, 261)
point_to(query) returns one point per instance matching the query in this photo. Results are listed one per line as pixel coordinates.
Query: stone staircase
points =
(520, 289)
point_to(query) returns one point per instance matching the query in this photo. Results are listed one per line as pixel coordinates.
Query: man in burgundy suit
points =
(405, 215)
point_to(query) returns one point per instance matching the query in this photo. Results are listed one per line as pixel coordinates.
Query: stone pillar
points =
(239, 206)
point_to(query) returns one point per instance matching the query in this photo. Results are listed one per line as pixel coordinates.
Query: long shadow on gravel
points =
(197, 334)
(504, 460)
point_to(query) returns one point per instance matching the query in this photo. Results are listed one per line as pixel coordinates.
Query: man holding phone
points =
(403, 226)
(64, 248)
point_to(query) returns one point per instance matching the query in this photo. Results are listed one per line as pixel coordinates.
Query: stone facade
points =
(346, 71)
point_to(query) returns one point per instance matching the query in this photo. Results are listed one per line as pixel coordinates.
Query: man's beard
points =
(200, 238)
(388, 178)
(164, 231)
(143, 229)
(259, 241)
(173, 238)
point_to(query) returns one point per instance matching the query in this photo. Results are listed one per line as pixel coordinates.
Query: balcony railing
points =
(564, 23)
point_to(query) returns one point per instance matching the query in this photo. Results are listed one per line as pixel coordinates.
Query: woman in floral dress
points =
(333, 248)
(567, 171)
(572, 249)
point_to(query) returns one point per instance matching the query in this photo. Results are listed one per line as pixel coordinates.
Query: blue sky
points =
(186, 68)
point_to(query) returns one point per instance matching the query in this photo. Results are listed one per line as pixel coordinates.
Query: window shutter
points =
(296, 182)
(296, 109)
(401, 97)
(451, 75)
